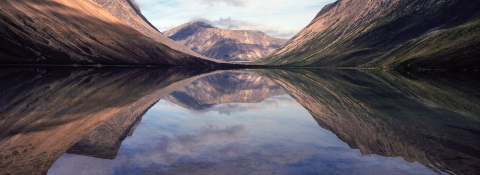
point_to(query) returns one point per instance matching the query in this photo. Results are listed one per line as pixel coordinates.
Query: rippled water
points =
(201, 121)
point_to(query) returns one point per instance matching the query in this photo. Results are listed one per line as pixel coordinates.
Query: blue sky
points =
(277, 18)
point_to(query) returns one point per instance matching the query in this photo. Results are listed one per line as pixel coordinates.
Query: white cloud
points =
(228, 23)
(278, 18)
(230, 2)
(234, 24)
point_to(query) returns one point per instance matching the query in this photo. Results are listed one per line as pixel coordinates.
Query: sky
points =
(277, 18)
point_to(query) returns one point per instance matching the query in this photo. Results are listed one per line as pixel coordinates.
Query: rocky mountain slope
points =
(79, 32)
(224, 44)
(393, 33)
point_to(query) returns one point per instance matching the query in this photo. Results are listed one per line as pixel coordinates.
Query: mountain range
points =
(224, 44)
(401, 34)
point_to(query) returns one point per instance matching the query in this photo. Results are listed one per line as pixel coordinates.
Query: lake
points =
(62, 120)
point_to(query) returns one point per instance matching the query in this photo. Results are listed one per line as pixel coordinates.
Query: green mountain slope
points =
(391, 34)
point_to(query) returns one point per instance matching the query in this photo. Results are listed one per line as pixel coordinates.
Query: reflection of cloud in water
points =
(212, 148)
(207, 145)
(170, 140)
(230, 149)
(271, 103)
(193, 145)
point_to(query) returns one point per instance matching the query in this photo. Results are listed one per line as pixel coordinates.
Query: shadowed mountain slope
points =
(388, 33)
(78, 32)
(225, 44)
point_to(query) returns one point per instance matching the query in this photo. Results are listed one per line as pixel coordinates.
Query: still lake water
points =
(200, 121)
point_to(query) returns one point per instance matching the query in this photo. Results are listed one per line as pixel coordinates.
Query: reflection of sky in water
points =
(270, 104)
(275, 136)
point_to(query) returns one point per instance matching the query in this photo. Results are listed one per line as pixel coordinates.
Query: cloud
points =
(228, 2)
(228, 23)
(135, 5)
(277, 18)
(276, 31)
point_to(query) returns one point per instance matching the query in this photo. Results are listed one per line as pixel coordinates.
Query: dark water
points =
(201, 121)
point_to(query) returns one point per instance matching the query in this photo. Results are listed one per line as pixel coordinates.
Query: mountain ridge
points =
(224, 44)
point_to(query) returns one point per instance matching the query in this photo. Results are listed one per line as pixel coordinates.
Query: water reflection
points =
(108, 121)
(44, 111)
(427, 117)
(225, 88)
(284, 140)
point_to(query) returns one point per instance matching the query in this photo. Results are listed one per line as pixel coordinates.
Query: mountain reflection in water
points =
(200, 121)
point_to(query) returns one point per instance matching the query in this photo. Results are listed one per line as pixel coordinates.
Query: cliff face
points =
(44, 112)
(222, 88)
(224, 44)
(388, 33)
(419, 117)
(80, 32)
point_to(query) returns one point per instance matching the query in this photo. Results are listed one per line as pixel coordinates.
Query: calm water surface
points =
(285, 121)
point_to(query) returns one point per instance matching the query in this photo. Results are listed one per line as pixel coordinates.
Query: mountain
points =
(224, 44)
(81, 32)
(223, 88)
(393, 34)
(129, 12)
